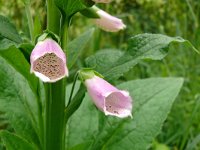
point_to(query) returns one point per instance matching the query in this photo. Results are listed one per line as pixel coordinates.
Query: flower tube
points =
(108, 23)
(108, 98)
(48, 61)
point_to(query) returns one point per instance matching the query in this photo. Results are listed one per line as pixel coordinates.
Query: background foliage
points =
(172, 17)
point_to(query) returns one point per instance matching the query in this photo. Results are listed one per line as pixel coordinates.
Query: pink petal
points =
(108, 98)
(48, 61)
(109, 23)
(118, 104)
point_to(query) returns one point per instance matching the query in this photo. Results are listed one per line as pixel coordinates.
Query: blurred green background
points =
(181, 130)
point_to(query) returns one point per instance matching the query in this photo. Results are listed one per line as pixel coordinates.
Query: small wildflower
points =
(48, 61)
(106, 97)
(109, 23)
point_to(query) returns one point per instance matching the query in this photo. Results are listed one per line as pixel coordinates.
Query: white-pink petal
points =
(118, 104)
(109, 23)
(48, 61)
(108, 98)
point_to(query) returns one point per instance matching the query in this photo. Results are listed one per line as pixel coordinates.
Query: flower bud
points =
(48, 61)
(108, 98)
(109, 23)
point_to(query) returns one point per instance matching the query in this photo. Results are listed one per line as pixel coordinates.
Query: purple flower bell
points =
(48, 61)
(108, 98)
(108, 23)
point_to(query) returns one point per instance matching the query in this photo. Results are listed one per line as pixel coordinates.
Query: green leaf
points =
(14, 142)
(152, 101)
(26, 49)
(8, 30)
(76, 46)
(19, 103)
(153, 46)
(142, 46)
(6, 43)
(70, 7)
(15, 58)
(104, 59)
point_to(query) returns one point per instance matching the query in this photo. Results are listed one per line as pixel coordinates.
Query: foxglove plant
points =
(38, 112)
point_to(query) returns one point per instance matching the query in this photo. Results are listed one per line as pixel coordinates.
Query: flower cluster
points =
(48, 62)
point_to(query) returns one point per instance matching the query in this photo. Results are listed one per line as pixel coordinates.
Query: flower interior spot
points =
(112, 103)
(49, 65)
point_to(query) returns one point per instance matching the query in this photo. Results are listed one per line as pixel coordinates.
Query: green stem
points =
(30, 20)
(75, 103)
(55, 125)
(72, 90)
(53, 17)
(64, 34)
(55, 94)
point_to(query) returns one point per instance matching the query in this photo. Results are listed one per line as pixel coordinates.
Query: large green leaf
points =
(18, 103)
(142, 46)
(15, 58)
(152, 101)
(8, 30)
(6, 43)
(153, 46)
(104, 59)
(76, 46)
(14, 142)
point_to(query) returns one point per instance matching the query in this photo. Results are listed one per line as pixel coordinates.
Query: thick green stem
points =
(53, 17)
(55, 125)
(30, 20)
(64, 34)
(55, 94)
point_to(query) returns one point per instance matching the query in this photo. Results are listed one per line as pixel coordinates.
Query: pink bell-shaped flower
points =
(109, 23)
(108, 98)
(102, 1)
(48, 61)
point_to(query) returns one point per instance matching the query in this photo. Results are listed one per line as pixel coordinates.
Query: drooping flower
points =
(109, 23)
(102, 1)
(108, 98)
(48, 61)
